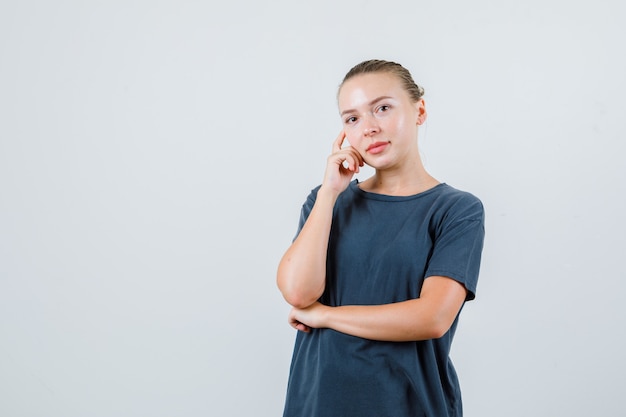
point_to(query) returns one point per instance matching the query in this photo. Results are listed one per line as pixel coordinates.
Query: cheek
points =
(400, 123)
(403, 126)
(353, 139)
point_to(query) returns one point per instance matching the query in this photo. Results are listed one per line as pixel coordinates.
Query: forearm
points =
(398, 322)
(427, 317)
(301, 273)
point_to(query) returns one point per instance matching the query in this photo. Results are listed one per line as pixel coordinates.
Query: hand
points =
(305, 319)
(341, 166)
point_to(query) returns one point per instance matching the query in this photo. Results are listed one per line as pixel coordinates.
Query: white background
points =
(154, 156)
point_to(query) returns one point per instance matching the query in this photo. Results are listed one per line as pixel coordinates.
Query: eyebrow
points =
(371, 103)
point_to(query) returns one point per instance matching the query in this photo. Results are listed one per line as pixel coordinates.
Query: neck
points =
(409, 180)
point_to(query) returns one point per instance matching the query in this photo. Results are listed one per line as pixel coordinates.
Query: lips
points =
(377, 147)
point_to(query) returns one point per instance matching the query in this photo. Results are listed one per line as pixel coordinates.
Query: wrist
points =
(328, 192)
(325, 316)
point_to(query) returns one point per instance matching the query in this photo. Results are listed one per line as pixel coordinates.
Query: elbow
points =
(294, 294)
(437, 328)
(299, 291)
(438, 331)
(297, 298)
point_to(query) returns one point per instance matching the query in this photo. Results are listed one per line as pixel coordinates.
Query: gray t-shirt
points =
(381, 248)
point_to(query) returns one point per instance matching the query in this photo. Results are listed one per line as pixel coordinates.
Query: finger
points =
(349, 150)
(350, 163)
(339, 141)
(357, 156)
(299, 326)
(353, 159)
(303, 328)
(294, 323)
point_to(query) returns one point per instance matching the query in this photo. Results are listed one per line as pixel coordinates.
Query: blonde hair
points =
(377, 65)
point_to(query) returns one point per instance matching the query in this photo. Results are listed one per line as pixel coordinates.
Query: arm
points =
(427, 317)
(301, 273)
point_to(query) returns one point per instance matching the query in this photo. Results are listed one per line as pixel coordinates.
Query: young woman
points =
(380, 269)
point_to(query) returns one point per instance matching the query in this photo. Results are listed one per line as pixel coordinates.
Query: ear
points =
(420, 106)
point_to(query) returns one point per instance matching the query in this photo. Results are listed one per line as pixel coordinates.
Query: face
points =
(380, 119)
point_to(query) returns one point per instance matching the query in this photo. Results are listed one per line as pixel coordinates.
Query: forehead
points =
(362, 89)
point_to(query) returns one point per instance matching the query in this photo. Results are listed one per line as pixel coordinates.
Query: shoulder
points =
(459, 204)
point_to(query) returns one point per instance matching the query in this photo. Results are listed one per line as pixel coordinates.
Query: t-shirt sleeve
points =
(458, 244)
(306, 210)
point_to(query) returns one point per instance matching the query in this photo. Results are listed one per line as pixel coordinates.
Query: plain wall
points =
(154, 156)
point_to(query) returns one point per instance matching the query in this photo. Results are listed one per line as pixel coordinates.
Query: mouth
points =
(377, 147)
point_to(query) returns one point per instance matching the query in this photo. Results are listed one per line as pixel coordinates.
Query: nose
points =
(370, 127)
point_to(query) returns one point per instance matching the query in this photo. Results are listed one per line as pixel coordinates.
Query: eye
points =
(384, 108)
(350, 120)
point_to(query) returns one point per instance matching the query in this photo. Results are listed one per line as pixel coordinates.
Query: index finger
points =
(339, 141)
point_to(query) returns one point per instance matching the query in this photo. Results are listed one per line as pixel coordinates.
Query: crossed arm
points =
(427, 317)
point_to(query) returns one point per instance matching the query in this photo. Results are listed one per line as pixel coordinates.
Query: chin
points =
(380, 163)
